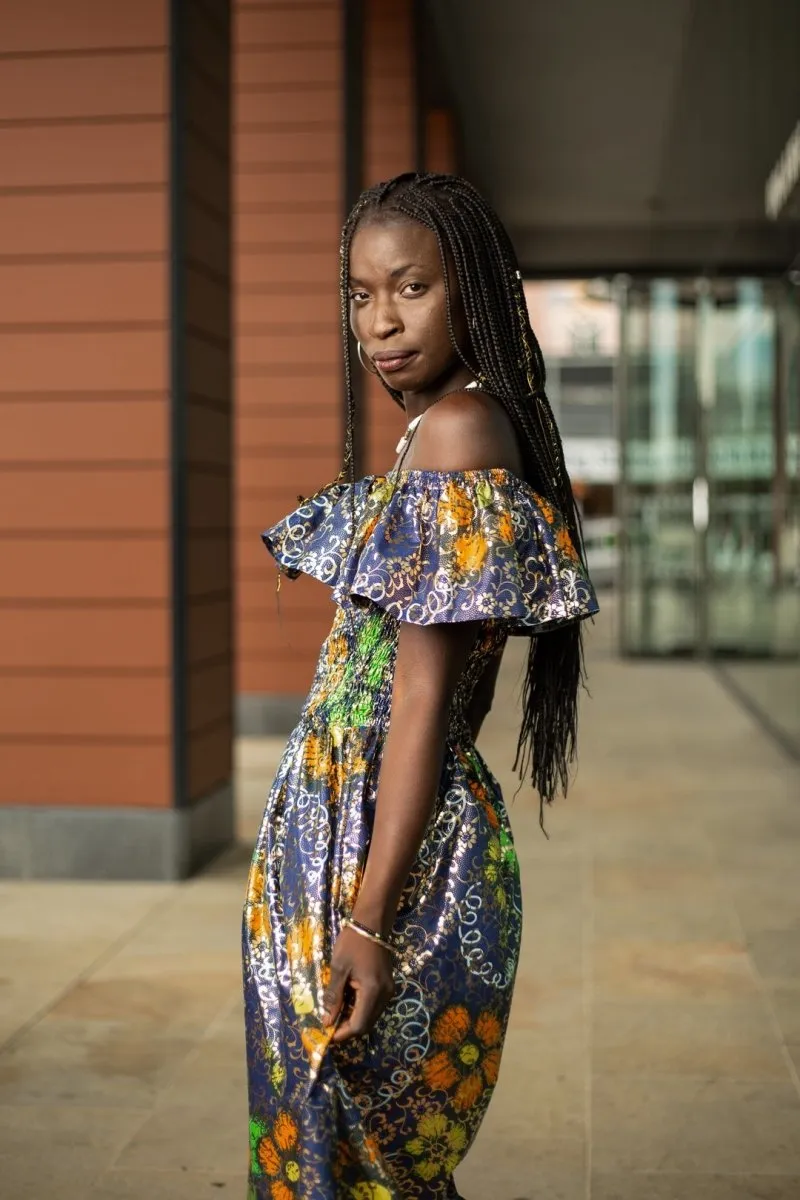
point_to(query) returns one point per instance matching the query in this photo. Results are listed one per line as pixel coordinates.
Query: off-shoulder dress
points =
(389, 1116)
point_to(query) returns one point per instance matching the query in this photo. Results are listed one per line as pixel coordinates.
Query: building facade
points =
(176, 173)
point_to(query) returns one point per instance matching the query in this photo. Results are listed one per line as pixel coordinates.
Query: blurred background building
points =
(175, 175)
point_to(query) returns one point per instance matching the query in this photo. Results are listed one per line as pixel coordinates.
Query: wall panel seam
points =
(111, 257)
(305, 167)
(282, 47)
(84, 672)
(287, 89)
(56, 603)
(65, 327)
(84, 189)
(331, 127)
(104, 119)
(82, 739)
(85, 52)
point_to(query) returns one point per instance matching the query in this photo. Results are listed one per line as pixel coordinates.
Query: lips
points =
(388, 361)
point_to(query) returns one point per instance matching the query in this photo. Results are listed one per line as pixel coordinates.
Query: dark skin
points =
(398, 313)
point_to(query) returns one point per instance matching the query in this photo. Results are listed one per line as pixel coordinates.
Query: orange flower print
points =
(303, 940)
(351, 1158)
(315, 1042)
(505, 529)
(316, 756)
(548, 512)
(336, 649)
(303, 949)
(469, 1060)
(368, 528)
(256, 910)
(481, 795)
(564, 542)
(470, 552)
(275, 1155)
(456, 510)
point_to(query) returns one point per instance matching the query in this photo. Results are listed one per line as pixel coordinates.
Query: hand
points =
(364, 970)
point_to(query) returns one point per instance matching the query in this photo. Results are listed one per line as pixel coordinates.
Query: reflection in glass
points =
(709, 421)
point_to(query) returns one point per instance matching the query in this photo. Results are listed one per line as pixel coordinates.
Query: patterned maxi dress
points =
(389, 1116)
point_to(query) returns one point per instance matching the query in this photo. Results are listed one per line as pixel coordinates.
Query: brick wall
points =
(84, 453)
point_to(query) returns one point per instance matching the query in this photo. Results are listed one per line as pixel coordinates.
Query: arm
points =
(462, 431)
(427, 667)
(429, 663)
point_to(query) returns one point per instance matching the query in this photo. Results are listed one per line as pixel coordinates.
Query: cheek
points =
(433, 323)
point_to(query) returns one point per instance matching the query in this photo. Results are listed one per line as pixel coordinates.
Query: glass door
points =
(740, 426)
(659, 430)
(709, 495)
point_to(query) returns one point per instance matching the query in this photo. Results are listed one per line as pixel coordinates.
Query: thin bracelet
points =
(370, 934)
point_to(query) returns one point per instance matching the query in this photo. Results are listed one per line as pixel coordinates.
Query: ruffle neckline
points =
(435, 546)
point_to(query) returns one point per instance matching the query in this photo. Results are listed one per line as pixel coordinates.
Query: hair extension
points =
(508, 364)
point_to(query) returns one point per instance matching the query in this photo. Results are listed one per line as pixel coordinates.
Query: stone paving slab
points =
(654, 1044)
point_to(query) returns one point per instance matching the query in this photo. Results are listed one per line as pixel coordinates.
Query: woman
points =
(382, 922)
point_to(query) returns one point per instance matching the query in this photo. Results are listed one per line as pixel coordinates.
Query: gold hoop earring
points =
(370, 370)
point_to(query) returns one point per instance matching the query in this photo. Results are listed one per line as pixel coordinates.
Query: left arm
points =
(428, 664)
(462, 431)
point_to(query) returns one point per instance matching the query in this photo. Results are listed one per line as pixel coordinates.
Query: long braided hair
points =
(508, 364)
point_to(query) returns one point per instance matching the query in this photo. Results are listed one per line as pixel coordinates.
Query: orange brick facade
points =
(169, 332)
(84, 430)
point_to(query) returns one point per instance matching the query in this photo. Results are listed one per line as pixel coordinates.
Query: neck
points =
(416, 403)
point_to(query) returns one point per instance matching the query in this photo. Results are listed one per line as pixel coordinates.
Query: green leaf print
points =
(352, 702)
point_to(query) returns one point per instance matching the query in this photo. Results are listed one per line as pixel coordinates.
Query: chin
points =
(404, 381)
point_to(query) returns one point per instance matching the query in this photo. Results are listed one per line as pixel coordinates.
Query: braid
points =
(508, 363)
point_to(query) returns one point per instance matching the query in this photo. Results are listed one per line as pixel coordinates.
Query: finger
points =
(333, 996)
(367, 1007)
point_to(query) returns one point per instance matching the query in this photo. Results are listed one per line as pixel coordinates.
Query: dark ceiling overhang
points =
(619, 135)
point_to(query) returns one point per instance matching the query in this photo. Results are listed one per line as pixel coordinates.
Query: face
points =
(398, 308)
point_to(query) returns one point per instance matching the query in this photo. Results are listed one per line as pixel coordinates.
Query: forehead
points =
(379, 246)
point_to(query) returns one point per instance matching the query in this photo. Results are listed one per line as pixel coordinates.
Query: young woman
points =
(382, 922)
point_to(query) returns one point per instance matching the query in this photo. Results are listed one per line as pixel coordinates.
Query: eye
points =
(359, 297)
(414, 289)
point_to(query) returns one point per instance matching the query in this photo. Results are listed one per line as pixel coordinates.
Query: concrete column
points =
(115, 527)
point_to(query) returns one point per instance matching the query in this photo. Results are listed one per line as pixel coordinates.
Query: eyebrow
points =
(392, 274)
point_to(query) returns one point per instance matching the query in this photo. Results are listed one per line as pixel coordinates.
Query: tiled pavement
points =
(654, 1048)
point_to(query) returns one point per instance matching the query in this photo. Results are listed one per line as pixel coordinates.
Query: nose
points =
(385, 318)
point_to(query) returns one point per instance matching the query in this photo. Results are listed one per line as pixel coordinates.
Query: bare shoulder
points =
(464, 431)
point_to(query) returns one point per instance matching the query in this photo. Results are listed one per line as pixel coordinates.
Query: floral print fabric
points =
(390, 1116)
(435, 546)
